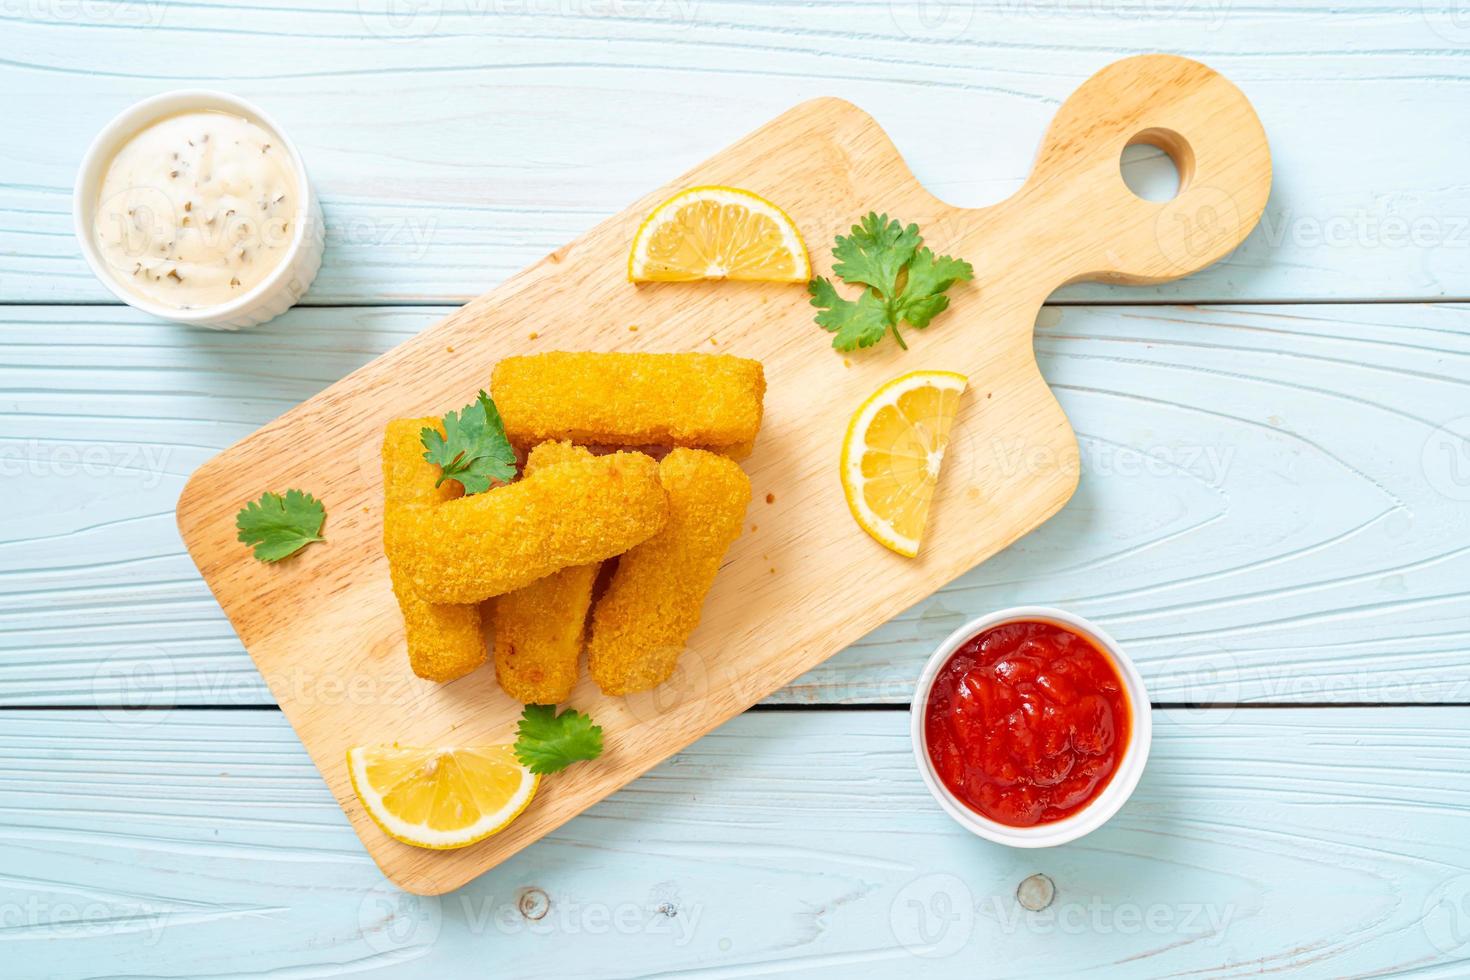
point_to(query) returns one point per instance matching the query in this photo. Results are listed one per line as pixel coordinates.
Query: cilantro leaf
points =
(860, 324)
(923, 292)
(876, 252)
(548, 742)
(473, 449)
(280, 526)
(903, 283)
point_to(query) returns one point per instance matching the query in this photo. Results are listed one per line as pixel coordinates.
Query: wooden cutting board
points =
(804, 581)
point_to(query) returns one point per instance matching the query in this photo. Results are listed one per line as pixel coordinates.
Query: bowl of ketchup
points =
(1031, 727)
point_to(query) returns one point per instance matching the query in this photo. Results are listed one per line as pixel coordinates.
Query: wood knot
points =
(534, 904)
(1036, 893)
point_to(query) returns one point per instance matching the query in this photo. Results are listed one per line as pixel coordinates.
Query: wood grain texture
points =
(1287, 842)
(1310, 432)
(772, 613)
(455, 145)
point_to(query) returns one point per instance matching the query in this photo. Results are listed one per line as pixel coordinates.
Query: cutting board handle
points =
(1093, 226)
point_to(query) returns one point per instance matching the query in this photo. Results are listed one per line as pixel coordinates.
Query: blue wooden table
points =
(1274, 515)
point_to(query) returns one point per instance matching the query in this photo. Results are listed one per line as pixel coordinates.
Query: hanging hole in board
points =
(1157, 165)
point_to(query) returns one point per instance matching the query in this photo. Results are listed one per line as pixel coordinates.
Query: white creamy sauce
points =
(196, 209)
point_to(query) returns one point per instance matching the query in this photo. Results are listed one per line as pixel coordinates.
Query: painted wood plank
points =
(453, 144)
(1272, 506)
(1286, 841)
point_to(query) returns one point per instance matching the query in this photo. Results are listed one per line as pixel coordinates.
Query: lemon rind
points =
(850, 464)
(419, 836)
(790, 234)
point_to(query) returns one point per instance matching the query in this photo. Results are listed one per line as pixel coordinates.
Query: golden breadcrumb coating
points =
(444, 641)
(652, 603)
(706, 400)
(737, 451)
(491, 543)
(539, 628)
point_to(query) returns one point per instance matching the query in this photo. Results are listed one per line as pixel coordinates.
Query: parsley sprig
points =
(281, 526)
(473, 449)
(548, 742)
(903, 281)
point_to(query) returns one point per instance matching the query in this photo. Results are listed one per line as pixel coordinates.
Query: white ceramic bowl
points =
(1106, 803)
(268, 299)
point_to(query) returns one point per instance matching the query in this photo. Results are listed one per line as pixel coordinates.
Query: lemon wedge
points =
(892, 453)
(718, 233)
(440, 797)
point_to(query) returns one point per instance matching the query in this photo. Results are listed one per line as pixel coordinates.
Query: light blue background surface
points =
(1272, 516)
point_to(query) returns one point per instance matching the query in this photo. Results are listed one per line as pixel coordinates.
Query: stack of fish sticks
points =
(522, 560)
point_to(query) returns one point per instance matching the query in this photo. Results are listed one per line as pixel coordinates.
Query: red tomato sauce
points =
(1027, 722)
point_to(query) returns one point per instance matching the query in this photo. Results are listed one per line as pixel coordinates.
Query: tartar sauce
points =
(196, 209)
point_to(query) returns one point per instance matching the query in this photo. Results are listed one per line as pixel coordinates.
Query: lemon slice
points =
(892, 452)
(440, 797)
(718, 233)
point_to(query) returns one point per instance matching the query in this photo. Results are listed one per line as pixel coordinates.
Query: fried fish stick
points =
(709, 401)
(539, 628)
(652, 603)
(444, 641)
(572, 513)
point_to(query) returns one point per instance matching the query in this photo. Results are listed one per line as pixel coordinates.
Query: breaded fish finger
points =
(710, 401)
(569, 514)
(444, 641)
(539, 628)
(652, 603)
